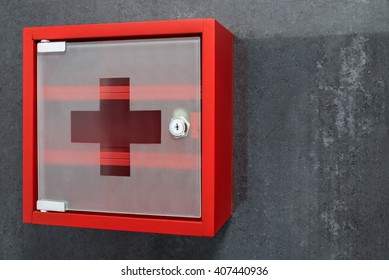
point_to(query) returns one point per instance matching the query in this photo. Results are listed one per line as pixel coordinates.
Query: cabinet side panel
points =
(208, 128)
(224, 125)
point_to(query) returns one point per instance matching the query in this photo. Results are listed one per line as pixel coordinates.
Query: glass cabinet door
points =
(119, 127)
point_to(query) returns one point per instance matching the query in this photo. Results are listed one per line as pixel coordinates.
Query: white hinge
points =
(51, 205)
(45, 46)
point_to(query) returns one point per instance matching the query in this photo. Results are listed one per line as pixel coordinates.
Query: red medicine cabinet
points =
(128, 126)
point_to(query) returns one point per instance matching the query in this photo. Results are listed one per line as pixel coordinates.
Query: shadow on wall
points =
(311, 162)
(240, 121)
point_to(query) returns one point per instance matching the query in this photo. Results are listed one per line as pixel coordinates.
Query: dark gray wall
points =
(311, 136)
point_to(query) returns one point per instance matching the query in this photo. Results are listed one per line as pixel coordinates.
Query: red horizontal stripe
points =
(114, 96)
(115, 161)
(152, 160)
(160, 92)
(112, 89)
(113, 155)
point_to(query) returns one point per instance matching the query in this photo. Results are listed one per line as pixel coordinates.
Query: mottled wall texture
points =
(311, 112)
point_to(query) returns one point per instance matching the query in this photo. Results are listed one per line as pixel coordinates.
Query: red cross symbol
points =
(115, 127)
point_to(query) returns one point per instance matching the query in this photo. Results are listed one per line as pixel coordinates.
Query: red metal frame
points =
(217, 87)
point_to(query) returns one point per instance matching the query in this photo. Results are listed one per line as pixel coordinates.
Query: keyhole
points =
(178, 127)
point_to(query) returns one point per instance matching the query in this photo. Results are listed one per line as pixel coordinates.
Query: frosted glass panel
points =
(104, 110)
